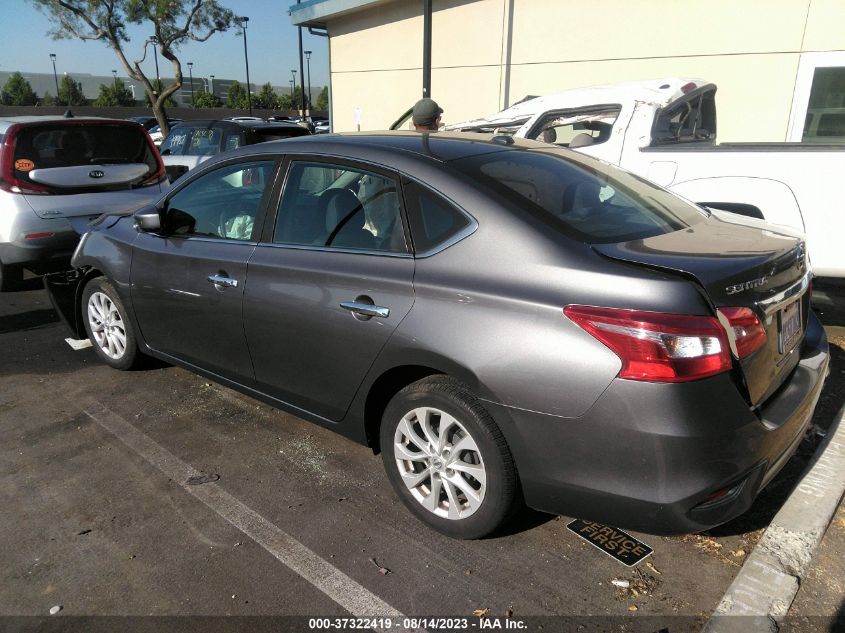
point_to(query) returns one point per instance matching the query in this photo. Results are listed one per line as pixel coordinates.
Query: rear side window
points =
(579, 197)
(204, 142)
(434, 220)
(693, 119)
(64, 145)
(337, 206)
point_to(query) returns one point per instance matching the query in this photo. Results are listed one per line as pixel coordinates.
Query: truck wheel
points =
(11, 277)
(107, 326)
(447, 460)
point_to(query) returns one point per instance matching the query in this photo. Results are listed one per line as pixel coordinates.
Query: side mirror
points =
(148, 220)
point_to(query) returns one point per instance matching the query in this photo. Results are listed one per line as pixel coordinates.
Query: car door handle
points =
(366, 309)
(221, 280)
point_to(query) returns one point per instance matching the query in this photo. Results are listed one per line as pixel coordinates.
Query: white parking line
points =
(321, 574)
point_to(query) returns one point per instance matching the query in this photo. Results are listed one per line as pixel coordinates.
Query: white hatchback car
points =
(59, 173)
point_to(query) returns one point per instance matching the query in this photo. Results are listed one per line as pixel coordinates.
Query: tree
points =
(173, 22)
(70, 92)
(17, 91)
(291, 102)
(267, 98)
(169, 102)
(116, 94)
(323, 99)
(48, 99)
(204, 99)
(236, 97)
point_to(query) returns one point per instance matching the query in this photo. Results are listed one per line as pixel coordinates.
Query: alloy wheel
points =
(107, 325)
(440, 463)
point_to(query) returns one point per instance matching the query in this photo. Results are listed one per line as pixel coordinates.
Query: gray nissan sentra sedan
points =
(503, 320)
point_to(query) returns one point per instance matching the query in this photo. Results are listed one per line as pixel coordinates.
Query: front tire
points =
(106, 324)
(447, 460)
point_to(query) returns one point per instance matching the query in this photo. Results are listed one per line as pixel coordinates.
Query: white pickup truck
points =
(665, 130)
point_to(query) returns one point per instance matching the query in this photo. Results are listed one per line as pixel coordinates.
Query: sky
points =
(271, 40)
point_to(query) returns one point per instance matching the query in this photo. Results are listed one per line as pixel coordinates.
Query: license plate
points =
(790, 326)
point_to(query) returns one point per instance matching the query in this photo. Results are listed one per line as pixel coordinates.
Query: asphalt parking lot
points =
(100, 518)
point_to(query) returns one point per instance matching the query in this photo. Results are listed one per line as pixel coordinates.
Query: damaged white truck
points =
(665, 130)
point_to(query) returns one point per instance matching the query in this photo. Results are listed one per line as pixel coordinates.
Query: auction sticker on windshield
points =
(612, 541)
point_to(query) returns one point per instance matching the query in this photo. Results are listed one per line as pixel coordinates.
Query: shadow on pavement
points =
(524, 520)
(31, 320)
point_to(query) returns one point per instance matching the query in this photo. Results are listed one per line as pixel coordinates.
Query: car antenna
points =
(503, 139)
(68, 114)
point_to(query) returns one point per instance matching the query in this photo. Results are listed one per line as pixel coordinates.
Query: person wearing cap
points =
(426, 115)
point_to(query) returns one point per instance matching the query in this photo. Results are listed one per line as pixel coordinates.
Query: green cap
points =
(426, 111)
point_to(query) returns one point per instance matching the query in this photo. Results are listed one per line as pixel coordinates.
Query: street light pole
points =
(292, 93)
(308, 59)
(114, 75)
(211, 84)
(55, 75)
(154, 40)
(244, 19)
(191, 74)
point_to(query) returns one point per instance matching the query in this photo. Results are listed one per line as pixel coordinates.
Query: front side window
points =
(340, 207)
(221, 204)
(175, 142)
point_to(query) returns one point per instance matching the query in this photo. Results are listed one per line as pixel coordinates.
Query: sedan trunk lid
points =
(739, 264)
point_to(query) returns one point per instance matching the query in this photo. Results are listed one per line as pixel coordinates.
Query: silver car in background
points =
(56, 175)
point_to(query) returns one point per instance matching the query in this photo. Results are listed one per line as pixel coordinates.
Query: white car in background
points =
(665, 130)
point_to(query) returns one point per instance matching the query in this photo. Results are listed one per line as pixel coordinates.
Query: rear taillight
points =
(656, 347)
(8, 180)
(748, 333)
(160, 174)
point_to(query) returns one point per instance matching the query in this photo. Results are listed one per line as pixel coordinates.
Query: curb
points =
(768, 581)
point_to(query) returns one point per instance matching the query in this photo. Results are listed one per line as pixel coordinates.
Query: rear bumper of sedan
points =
(665, 458)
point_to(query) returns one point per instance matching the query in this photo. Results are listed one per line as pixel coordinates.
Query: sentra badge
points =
(746, 285)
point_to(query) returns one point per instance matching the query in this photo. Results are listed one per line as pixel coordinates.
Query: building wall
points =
(487, 54)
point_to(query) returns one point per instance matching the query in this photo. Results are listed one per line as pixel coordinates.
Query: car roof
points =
(440, 146)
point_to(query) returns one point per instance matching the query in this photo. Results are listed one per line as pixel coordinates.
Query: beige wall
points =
(750, 48)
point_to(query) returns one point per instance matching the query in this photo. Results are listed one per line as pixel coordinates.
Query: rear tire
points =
(11, 277)
(107, 326)
(447, 460)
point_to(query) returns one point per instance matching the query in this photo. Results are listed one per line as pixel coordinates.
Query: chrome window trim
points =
(332, 249)
(457, 237)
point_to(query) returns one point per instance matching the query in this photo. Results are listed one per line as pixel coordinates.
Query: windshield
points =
(582, 198)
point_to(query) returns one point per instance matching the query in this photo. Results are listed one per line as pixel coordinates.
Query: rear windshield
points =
(582, 198)
(47, 146)
(203, 141)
